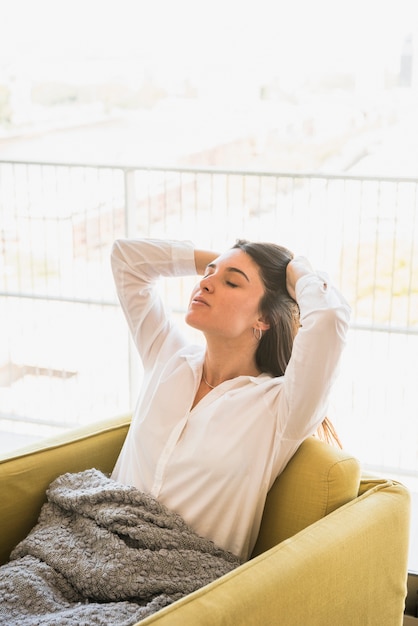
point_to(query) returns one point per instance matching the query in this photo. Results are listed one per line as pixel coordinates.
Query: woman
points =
(215, 425)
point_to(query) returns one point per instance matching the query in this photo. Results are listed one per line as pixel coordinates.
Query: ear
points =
(262, 324)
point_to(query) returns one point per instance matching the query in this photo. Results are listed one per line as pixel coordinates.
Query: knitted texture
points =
(104, 553)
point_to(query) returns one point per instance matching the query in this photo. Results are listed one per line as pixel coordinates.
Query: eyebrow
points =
(231, 269)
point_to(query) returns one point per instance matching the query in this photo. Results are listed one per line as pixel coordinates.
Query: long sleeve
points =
(136, 266)
(312, 369)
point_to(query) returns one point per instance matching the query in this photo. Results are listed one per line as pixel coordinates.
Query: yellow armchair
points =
(332, 548)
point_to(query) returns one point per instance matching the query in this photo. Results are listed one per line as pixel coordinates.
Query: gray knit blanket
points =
(103, 553)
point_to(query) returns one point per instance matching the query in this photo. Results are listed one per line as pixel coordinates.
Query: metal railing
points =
(65, 357)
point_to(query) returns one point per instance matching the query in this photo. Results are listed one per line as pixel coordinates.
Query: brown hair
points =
(281, 312)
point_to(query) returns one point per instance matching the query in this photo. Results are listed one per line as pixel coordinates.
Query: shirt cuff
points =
(320, 279)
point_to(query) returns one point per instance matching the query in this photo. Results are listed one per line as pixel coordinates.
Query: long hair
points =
(281, 312)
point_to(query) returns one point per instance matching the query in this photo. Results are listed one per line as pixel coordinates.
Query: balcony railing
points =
(65, 357)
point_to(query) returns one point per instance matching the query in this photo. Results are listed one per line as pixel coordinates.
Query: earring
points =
(258, 333)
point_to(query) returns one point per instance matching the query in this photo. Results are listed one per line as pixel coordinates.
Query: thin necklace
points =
(208, 384)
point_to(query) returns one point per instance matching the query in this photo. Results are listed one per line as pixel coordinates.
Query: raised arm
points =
(137, 265)
(312, 369)
(298, 267)
(202, 258)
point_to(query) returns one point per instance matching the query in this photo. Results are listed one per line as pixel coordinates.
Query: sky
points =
(174, 39)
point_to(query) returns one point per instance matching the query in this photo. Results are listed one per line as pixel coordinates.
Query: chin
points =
(190, 322)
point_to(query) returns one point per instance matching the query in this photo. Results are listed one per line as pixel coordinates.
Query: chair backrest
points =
(317, 480)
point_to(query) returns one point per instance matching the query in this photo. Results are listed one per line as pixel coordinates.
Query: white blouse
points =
(215, 463)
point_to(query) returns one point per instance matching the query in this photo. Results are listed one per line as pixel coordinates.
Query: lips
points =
(199, 300)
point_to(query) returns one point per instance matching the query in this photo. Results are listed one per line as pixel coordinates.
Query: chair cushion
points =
(317, 480)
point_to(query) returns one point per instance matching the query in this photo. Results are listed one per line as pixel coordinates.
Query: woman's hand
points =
(298, 267)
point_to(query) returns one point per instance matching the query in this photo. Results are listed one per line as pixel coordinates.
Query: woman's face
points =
(226, 300)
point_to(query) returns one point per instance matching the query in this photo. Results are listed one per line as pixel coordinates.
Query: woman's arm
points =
(298, 267)
(202, 258)
(137, 265)
(312, 369)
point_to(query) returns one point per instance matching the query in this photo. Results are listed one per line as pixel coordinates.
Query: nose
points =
(206, 283)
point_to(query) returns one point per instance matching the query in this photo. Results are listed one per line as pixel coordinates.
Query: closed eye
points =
(228, 282)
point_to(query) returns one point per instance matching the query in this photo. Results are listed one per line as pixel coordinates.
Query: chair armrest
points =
(25, 476)
(318, 479)
(348, 568)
